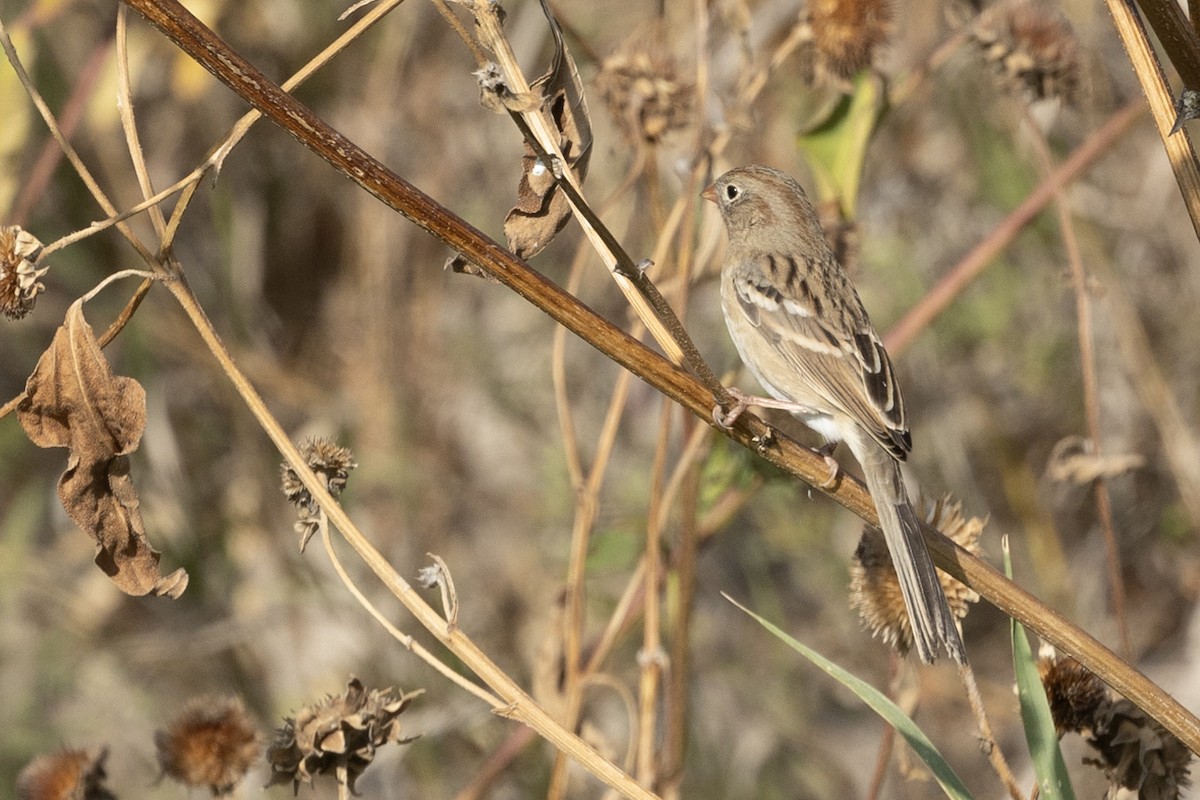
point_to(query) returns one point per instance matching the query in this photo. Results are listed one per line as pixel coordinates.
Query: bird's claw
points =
(725, 419)
(835, 469)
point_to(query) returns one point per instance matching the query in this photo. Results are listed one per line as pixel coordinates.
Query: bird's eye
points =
(732, 192)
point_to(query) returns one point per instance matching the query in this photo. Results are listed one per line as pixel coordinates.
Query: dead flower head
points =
(65, 775)
(1076, 695)
(339, 735)
(212, 743)
(640, 83)
(19, 275)
(1033, 47)
(1139, 757)
(875, 589)
(1138, 754)
(332, 464)
(846, 33)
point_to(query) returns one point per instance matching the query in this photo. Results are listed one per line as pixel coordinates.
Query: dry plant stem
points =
(512, 701)
(129, 126)
(33, 186)
(909, 83)
(975, 262)
(411, 644)
(756, 81)
(202, 45)
(1056, 629)
(624, 268)
(491, 34)
(987, 741)
(191, 182)
(1091, 390)
(458, 27)
(886, 743)
(1178, 440)
(109, 334)
(587, 505)
(80, 168)
(1158, 94)
(1177, 36)
(623, 693)
(481, 785)
(652, 654)
(678, 688)
(631, 604)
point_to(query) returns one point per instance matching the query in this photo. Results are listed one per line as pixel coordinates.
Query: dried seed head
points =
(332, 464)
(1139, 757)
(212, 743)
(641, 86)
(19, 275)
(66, 775)
(1033, 47)
(339, 735)
(1138, 754)
(846, 33)
(1076, 695)
(875, 590)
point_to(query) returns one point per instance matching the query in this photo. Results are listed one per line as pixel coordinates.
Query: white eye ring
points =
(732, 192)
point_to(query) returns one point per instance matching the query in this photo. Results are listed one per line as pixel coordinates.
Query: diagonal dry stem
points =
(981, 256)
(411, 644)
(512, 701)
(1150, 74)
(1091, 389)
(233, 70)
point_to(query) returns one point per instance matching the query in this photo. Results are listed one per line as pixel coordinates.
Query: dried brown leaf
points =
(1074, 460)
(542, 210)
(75, 401)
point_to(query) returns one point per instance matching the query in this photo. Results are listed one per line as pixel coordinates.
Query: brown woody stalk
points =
(1091, 388)
(233, 70)
(1149, 72)
(981, 256)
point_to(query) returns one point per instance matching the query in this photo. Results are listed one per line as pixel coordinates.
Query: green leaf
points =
(881, 705)
(1053, 780)
(837, 145)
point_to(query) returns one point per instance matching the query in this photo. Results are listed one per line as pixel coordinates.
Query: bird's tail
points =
(933, 623)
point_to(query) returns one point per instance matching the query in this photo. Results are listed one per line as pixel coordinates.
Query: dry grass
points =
(453, 393)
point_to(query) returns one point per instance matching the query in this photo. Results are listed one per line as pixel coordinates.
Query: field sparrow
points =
(802, 331)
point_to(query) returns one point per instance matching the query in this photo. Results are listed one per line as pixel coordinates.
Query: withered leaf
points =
(1074, 460)
(74, 400)
(542, 210)
(461, 264)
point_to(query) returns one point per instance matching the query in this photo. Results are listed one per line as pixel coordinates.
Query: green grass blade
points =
(1053, 779)
(884, 707)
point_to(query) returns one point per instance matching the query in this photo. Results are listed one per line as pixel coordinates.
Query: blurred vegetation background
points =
(342, 316)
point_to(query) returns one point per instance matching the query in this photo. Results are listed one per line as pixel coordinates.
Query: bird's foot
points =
(825, 451)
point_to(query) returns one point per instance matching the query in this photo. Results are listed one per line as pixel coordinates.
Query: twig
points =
(1177, 36)
(540, 130)
(975, 262)
(1174, 431)
(411, 644)
(987, 740)
(233, 70)
(73, 110)
(651, 657)
(1154, 83)
(68, 150)
(513, 702)
(679, 687)
(1091, 391)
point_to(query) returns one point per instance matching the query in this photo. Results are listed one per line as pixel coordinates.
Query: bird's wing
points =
(829, 344)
